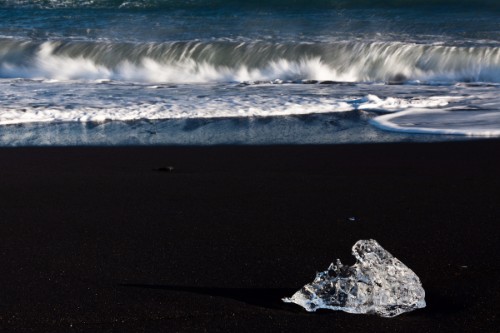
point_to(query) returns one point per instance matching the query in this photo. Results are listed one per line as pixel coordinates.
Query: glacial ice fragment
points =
(377, 283)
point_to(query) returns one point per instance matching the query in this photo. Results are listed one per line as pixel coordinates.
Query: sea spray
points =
(190, 62)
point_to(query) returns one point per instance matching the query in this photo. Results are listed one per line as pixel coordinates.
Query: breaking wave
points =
(197, 62)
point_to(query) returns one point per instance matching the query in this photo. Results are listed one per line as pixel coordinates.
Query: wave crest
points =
(196, 62)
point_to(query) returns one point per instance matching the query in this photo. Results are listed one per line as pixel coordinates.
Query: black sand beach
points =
(108, 239)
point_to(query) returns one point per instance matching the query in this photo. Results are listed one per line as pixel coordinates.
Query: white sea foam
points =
(214, 108)
(393, 104)
(425, 121)
(32, 109)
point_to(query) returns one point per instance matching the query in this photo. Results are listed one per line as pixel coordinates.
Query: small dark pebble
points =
(165, 169)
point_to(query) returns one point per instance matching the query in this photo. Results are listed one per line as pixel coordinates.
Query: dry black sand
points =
(103, 239)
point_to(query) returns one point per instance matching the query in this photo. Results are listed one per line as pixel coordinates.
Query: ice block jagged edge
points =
(377, 283)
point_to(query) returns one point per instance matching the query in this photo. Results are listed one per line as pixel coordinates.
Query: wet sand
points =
(102, 239)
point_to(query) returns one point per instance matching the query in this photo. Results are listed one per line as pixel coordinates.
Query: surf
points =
(221, 61)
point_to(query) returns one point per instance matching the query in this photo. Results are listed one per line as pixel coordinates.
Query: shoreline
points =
(103, 238)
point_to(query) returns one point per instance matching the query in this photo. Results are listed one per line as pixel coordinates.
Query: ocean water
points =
(111, 72)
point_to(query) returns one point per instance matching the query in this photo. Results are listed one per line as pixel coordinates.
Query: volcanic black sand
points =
(165, 239)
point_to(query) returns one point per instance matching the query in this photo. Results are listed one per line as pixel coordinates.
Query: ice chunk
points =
(377, 283)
